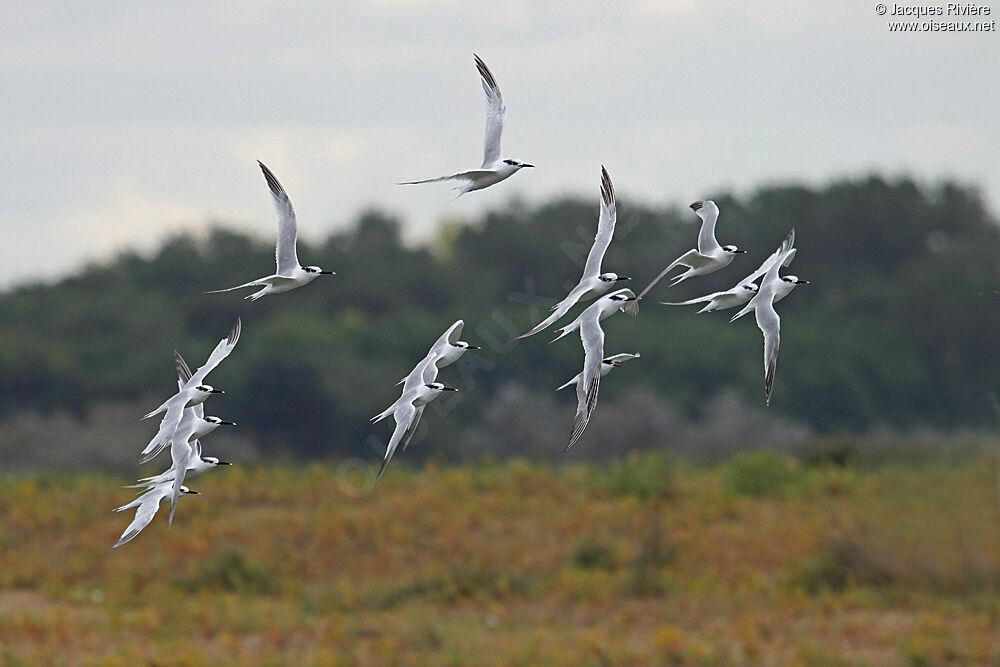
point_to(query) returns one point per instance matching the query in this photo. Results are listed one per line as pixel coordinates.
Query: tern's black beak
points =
(217, 391)
(223, 463)
(192, 493)
(631, 298)
(741, 251)
(801, 282)
(475, 347)
(525, 164)
(620, 278)
(224, 423)
(449, 389)
(327, 273)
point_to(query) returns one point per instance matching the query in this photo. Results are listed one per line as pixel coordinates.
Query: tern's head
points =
(219, 422)
(208, 389)
(750, 287)
(465, 346)
(610, 277)
(733, 250)
(187, 491)
(622, 295)
(517, 165)
(437, 386)
(316, 271)
(211, 460)
(794, 280)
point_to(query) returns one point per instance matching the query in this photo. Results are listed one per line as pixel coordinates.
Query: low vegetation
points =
(513, 564)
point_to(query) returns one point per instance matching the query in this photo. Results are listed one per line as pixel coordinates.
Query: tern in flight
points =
(708, 257)
(185, 446)
(289, 274)
(407, 412)
(194, 425)
(494, 168)
(745, 289)
(592, 337)
(192, 393)
(593, 283)
(608, 364)
(147, 503)
(767, 317)
(446, 350)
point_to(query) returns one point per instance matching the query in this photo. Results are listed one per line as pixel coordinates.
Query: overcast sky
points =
(124, 122)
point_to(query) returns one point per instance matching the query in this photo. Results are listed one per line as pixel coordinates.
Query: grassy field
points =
(643, 562)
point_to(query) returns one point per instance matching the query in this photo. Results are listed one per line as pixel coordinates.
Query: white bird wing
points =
(183, 372)
(786, 251)
(406, 418)
(181, 453)
(429, 370)
(575, 380)
(592, 337)
(701, 299)
(496, 111)
(168, 425)
(445, 340)
(183, 375)
(692, 259)
(469, 174)
(630, 307)
(709, 214)
(284, 250)
(770, 325)
(413, 427)
(220, 352)
(148, 504)
(605, 228)
(558, 310)
(624, 356)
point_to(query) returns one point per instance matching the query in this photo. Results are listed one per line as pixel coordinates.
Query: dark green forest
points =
(897, 328)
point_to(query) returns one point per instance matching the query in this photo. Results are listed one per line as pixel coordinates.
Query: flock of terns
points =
(184, 422)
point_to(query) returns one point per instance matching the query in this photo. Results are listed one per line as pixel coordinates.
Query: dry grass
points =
(514, 564)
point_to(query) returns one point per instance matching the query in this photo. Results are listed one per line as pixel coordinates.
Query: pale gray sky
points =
(122, 122)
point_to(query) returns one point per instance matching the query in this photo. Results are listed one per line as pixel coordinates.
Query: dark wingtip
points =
(696, 206)
(607, 188)
(272, 180)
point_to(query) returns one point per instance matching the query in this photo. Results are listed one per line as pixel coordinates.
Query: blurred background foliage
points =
(895, 332)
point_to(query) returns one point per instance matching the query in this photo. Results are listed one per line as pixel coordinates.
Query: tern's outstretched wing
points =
(284, 250)
(450, 336)
(558, 311)
(770, 325)
(691, 259)
(183, 375)
(470, 175)
(413, 427)
(605, 228)
(709, 214)
(701, 299)
(592, 337)
(496, 111)
(175, 411)
(623, 356)
(148, 503)
(405, 416)
(785, 251)
(181, 454)
(220, 352)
